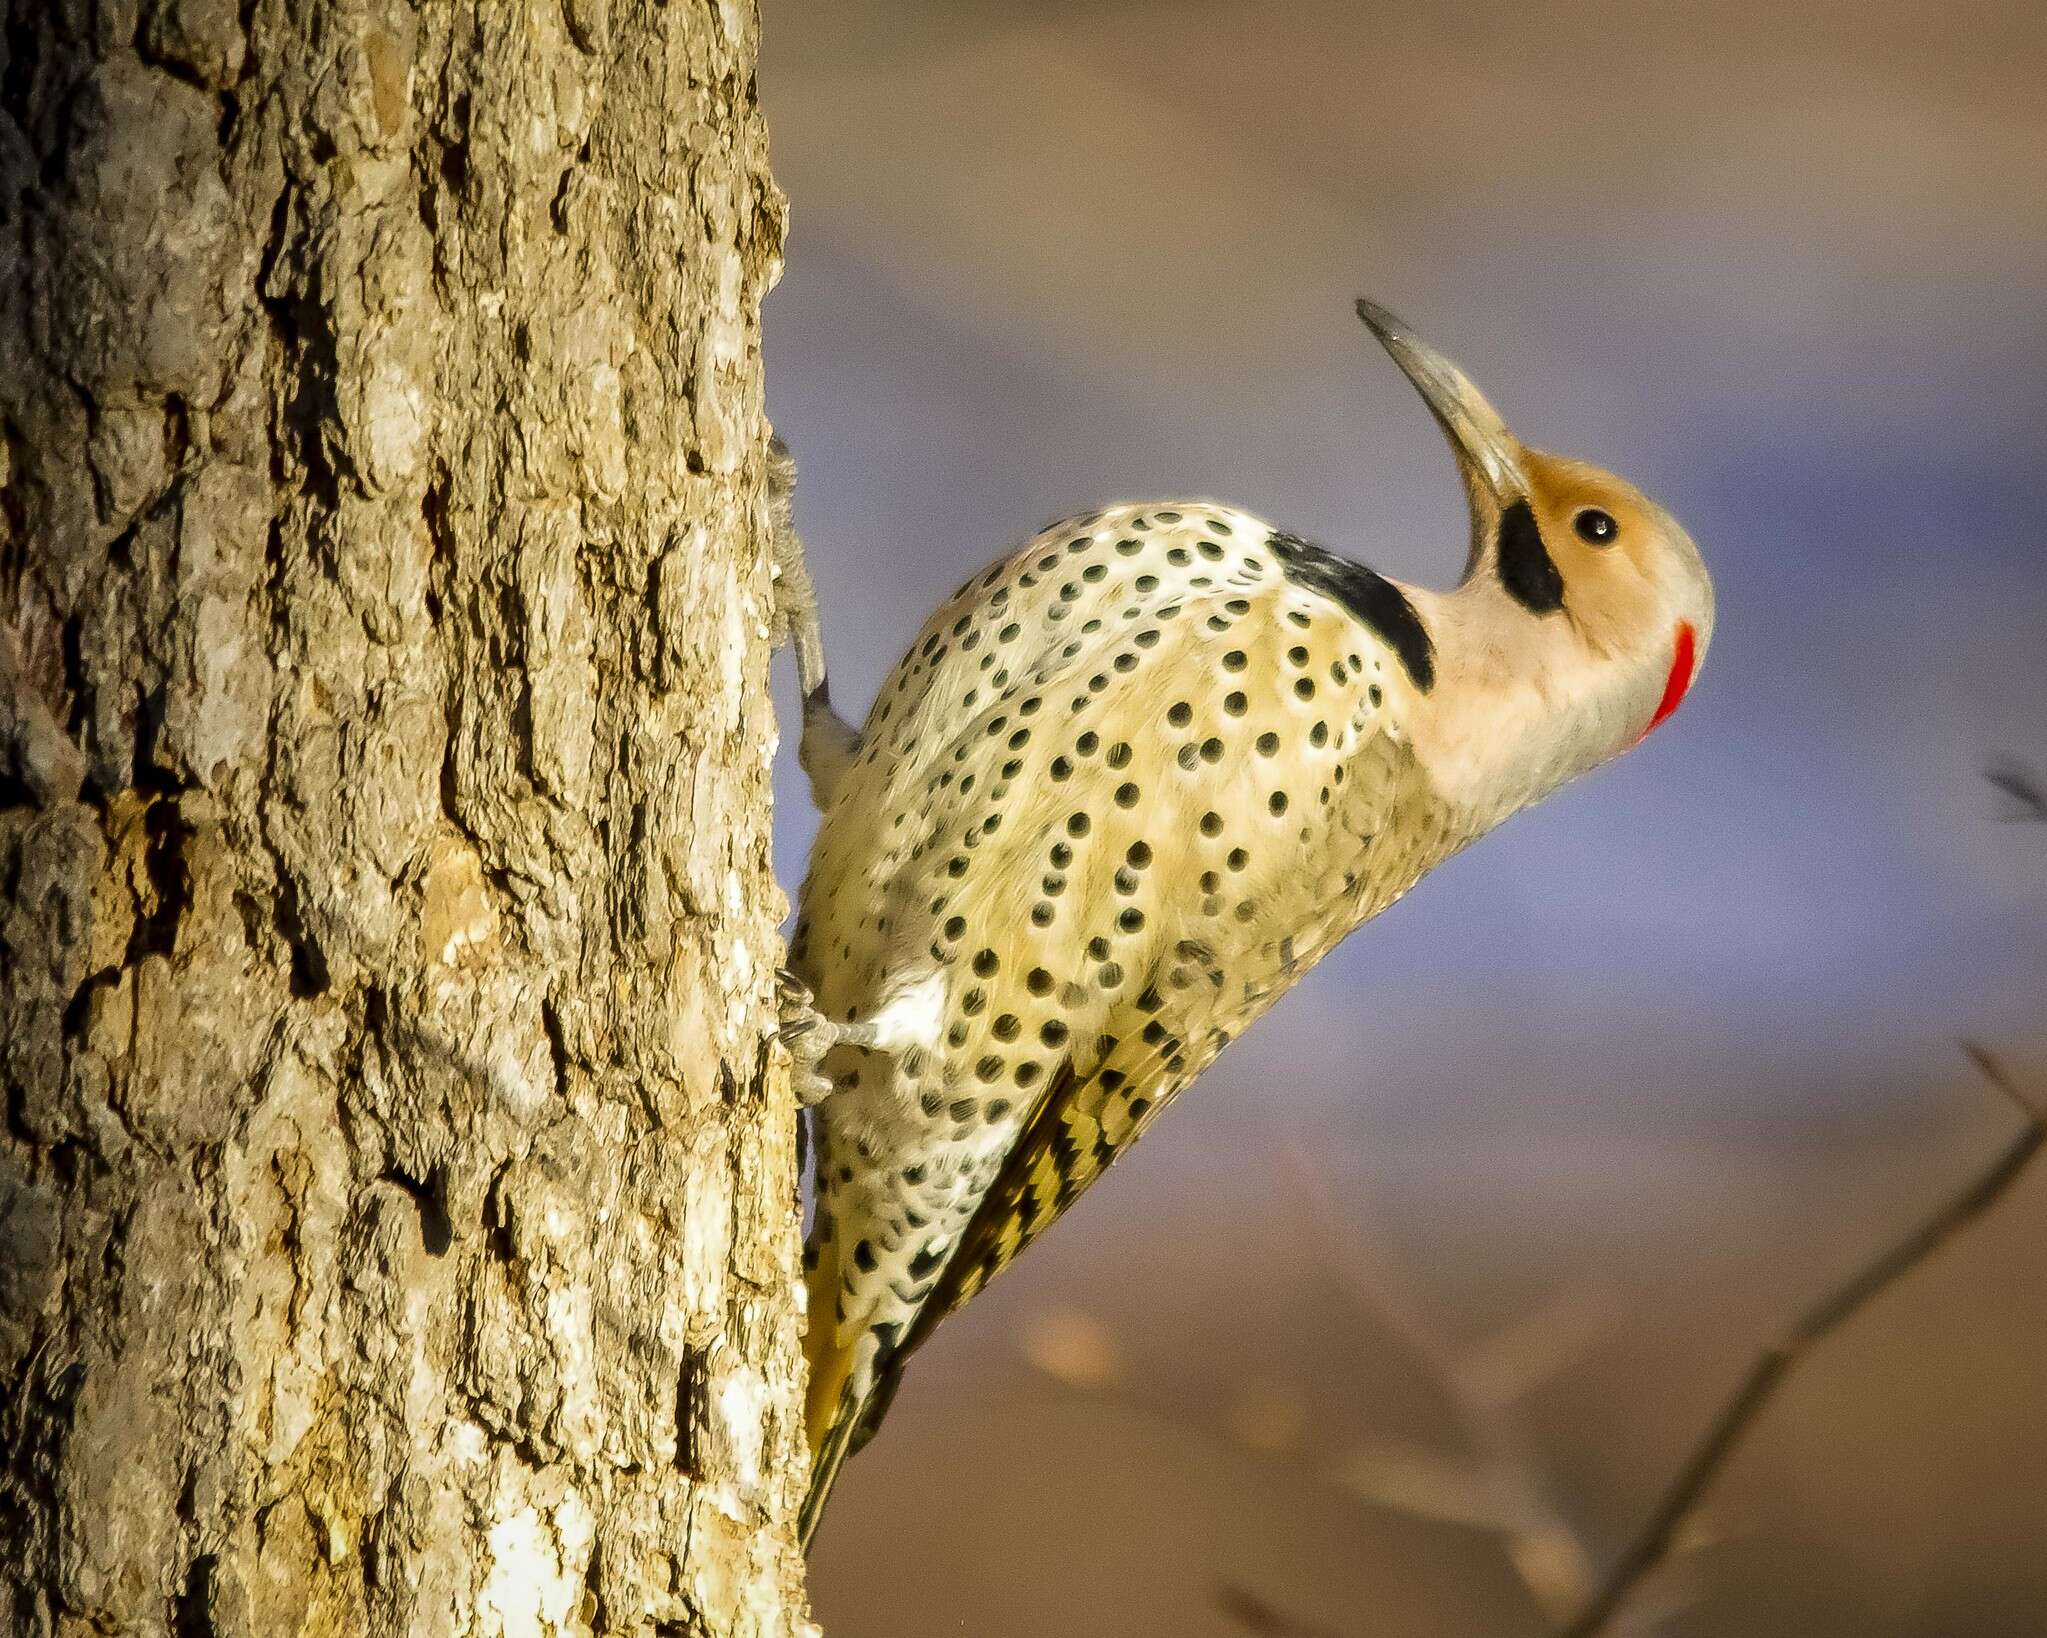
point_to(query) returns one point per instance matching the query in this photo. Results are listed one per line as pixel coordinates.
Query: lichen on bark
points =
(396, 1196)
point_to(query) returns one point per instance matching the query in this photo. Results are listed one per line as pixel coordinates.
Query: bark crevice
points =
(395, 1223)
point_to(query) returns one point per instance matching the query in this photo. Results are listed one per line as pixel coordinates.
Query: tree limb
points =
(2028, 795)
(1507, 1487)
(1510, 1475)
(1709, 1457)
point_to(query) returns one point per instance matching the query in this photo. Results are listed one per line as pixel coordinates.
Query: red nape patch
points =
(1682, 659)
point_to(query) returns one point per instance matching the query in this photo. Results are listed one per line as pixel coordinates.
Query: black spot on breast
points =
(1370, 596)
(1525, 566)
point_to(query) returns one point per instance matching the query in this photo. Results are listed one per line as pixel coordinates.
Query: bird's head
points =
(1581, 572)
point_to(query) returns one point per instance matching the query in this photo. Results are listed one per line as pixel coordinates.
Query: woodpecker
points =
(1126, 787)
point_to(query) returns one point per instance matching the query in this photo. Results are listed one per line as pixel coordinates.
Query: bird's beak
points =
(1488, 453)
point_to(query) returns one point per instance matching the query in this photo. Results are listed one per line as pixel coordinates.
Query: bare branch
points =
(2027, 792)
(1993, 1071)
(1653, 1543)
(1503, 1485)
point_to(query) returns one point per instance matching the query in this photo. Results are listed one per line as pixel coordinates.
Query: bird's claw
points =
(798, 1007)
(807, 1035)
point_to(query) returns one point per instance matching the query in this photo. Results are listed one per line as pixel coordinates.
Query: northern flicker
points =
(1125, 788)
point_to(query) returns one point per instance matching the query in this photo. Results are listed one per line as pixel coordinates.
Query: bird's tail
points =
(825, 1461)
(845, 1434)
(852, 1383)
(832, 1405)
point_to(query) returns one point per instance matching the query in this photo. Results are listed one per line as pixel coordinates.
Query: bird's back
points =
(1124, 788)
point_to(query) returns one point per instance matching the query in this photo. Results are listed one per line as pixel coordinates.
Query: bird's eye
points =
(1596, 526)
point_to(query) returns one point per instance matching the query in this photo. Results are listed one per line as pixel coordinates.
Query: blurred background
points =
(1486, 1219)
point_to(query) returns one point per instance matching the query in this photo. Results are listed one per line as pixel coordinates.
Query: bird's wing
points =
(1373, 844)
(1084, 1121)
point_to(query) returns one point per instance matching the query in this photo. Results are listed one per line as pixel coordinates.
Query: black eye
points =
(1596, 526)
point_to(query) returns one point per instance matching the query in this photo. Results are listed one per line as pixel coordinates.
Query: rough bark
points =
(396, 1206)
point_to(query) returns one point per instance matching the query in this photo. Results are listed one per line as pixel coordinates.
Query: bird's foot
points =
(809, 1036)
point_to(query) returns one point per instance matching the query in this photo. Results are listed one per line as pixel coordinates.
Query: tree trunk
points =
(397, 1213)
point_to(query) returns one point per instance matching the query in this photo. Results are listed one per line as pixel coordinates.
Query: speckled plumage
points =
(1124, 789)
